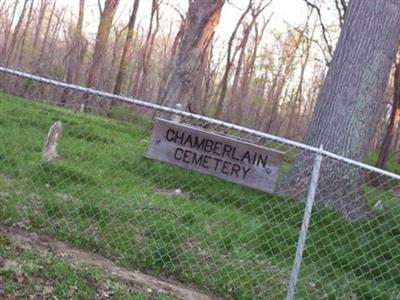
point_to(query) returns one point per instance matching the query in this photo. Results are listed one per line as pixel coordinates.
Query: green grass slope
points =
(103, 195)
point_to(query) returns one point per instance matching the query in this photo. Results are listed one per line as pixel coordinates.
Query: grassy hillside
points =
(105, 196)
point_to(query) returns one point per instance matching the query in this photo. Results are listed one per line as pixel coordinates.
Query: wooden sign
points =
(214, 154)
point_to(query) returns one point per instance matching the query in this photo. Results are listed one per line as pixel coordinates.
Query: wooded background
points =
(260, 74)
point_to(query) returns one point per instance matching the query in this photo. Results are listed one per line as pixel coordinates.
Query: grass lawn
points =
(103, 195)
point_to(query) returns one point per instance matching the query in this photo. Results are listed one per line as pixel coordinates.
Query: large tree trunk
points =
(346, 108)
(100, 48)
(201, 21)
(126, 51)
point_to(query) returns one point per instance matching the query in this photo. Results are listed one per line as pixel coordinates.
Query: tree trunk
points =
(238, 72)
(100, 48)
(111, 63)
(74, 62)
(126, 51)
(299, 90)
(283, 76)
(14, 36)
(248, 72)
(393, 123)
(42, 11)
(229, 60)
(202, 18)
(24, 36)
(172, 57)
(7, 31)
(195, 99)
(76, 45)
(346, 108)
(148, 48)
(54, 37)
(44, 43)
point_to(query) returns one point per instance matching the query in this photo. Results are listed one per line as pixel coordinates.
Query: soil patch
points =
(49, 246)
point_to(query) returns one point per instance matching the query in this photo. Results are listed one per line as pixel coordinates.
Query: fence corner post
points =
(304, 226)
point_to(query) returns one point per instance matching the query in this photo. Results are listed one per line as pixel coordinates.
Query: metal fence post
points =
(304, 226)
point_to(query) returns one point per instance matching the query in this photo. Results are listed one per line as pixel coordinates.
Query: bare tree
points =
(16, 31)
(55, 34)
(170, 61)
(112, 63)
(229, 61)
(236, 99)
(281, 77)
(341, 7)
(248, 71)
(148, 48)
(126, 51)
(42, 11)
(24, 35)
(325, 32)
(45, 39)
(73, 55)
(101, 45)
(201, 21)
(8, 30)
(298, 95)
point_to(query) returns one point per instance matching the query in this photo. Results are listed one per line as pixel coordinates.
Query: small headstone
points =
(53, 138)
(177, 118)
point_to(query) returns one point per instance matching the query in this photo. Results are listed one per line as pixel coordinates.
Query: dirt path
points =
(46, 245)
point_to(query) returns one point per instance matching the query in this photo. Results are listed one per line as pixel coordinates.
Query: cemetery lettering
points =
(214, 154)
(216, 148)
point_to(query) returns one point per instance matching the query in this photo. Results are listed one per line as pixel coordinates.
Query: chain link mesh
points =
(101, 194)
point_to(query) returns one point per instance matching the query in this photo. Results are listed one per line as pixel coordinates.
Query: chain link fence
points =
(103, 195)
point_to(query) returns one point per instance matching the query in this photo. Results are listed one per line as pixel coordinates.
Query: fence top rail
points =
(182, 113)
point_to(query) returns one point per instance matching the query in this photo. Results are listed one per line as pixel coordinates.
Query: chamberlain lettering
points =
(215, 155)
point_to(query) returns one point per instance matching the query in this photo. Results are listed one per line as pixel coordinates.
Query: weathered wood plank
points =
(216, 155)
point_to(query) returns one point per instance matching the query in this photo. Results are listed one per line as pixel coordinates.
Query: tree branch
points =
(325, 33)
